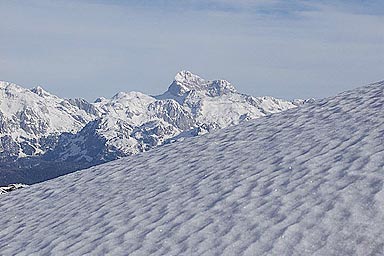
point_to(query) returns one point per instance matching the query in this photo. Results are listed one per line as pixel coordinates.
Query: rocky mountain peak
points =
(188, 78)
(186, 81)
(40, 91)
(4, 85)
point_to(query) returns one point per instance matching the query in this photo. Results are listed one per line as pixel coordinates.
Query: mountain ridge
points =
(37, 124)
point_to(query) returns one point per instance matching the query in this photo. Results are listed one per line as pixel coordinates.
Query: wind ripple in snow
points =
(307, 181)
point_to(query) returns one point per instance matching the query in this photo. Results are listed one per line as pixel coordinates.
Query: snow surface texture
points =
(49, 136)
(308, 181)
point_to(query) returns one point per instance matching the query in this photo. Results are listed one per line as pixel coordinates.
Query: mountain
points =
(308, 181)
(43, 135)
(32, 120)
(134, 122)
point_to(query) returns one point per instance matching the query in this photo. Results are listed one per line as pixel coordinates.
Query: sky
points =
(283, 48)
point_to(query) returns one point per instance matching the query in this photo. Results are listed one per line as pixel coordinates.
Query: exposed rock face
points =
(11, 187)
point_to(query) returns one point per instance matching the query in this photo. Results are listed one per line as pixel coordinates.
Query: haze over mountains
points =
(308, 181)
(43, 136)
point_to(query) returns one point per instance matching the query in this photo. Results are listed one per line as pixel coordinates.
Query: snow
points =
(31, 117)
(308, 181)
(28, 116)
(56, 113)
(132, 122)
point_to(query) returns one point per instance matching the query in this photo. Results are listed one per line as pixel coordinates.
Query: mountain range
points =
(43, 136)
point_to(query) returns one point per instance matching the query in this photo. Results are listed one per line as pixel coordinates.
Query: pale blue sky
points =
(288, 49)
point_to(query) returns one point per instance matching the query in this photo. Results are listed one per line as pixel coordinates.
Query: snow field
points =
(308, 181)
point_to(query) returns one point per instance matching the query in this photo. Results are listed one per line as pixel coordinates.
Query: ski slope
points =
(308, 181)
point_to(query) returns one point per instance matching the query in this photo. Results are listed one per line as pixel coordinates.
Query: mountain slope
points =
(308, 181)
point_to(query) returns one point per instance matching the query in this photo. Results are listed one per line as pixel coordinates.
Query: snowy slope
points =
(308, 181)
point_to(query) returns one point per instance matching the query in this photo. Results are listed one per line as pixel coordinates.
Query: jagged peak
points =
(99, 99)
(6, 84)
(186, 81)
(187, 77)
(3, 84)
(40, 91)
(20, 89)
(128, 95)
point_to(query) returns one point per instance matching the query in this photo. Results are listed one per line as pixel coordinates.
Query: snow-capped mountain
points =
(37, 123)
(32, 120)
(134, 122)
(308, 181)
(217, 104)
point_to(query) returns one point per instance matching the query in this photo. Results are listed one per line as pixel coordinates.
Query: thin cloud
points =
(68, 47)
